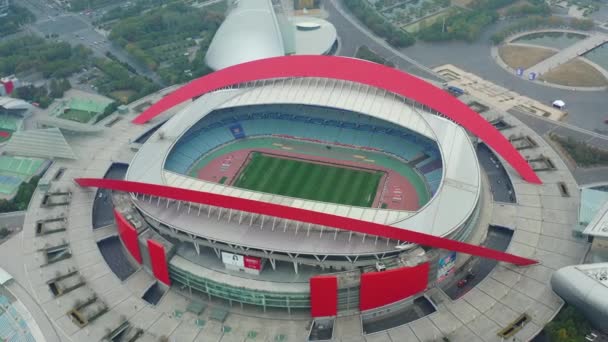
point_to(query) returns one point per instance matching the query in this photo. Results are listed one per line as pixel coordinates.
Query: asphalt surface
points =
(498, 239)
(500, 184)
(13, 219)
(583, 176)
(103, 214)
(586, 109)
(419, 308)
(153, 294)
(115, 256)
(67, 25)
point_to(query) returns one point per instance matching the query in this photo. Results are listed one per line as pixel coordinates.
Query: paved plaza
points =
(541, 219)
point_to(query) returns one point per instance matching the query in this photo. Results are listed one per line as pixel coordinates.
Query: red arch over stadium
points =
(353, 70)
(302, 215)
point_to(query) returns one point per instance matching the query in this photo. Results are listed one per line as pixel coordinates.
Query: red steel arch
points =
(302, 215)
(353, 70)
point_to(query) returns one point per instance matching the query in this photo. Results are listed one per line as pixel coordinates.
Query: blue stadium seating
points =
(325, 124)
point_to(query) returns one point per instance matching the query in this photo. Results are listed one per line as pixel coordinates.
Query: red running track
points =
(353, 70)
(302, 215)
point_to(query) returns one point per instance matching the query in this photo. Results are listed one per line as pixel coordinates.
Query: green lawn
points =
(308, 180)
(77, 115)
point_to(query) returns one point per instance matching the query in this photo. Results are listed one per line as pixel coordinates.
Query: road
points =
(76, 28)
(586, 109)
(498, 238)
(13, 219)
(583, 176)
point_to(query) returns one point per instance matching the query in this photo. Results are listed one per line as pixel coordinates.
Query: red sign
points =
(253, 262)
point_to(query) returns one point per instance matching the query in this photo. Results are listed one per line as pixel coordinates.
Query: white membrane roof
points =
(249, 32)
(454, 202)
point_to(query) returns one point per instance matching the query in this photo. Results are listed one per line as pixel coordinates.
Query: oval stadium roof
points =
(250, 32)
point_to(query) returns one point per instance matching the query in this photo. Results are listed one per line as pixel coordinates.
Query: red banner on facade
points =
(253, 262)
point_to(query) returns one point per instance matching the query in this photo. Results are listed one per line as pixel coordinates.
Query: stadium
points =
(304, 183)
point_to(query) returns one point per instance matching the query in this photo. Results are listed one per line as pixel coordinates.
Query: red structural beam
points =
(353, 70)
(158, 260)
(128, 234)
(382, 288)
(302, 215)
(323, 296)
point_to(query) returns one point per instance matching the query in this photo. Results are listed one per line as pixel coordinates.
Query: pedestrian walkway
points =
(569, 53)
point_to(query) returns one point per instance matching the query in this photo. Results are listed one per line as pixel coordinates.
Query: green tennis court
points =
(309, 180)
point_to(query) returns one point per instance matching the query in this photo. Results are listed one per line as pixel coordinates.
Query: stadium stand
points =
(324, 125)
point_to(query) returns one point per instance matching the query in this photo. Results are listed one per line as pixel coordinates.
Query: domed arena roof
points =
(250, 32)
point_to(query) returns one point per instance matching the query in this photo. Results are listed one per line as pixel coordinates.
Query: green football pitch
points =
(309, 180)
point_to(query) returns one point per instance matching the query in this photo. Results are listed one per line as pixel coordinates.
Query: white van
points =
(559, 104)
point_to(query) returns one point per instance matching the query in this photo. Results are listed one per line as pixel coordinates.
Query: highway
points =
(77, 28)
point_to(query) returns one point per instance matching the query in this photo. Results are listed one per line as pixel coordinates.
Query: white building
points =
(253, 30)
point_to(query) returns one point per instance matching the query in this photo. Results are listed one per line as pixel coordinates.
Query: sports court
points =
(81, 110)
(309, 179)
(15, 170)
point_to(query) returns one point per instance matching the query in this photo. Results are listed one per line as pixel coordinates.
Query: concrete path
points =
(13, 219)
(569, 53)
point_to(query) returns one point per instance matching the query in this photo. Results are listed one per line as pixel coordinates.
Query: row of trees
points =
(469, 24)
(527, 9)
(35, 54)
(111, 108)
(17, 17)
(22, 198)
(568, 326)
(162, 34)
(43, 95)
(459, 25)
(536, 22)
(117, 77)
(465, 25)
(379, 25)
(363, 52)
(584, 155)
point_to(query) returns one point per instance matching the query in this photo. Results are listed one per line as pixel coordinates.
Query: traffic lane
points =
(498, 238)
(13, 220)
(545, 127)
(61, 25)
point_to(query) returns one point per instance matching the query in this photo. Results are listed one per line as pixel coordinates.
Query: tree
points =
(56, 90)
(377, 24)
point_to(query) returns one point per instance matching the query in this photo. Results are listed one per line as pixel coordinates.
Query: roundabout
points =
(558, 58)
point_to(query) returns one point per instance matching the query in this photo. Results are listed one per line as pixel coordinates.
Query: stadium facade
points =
(308, 183)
